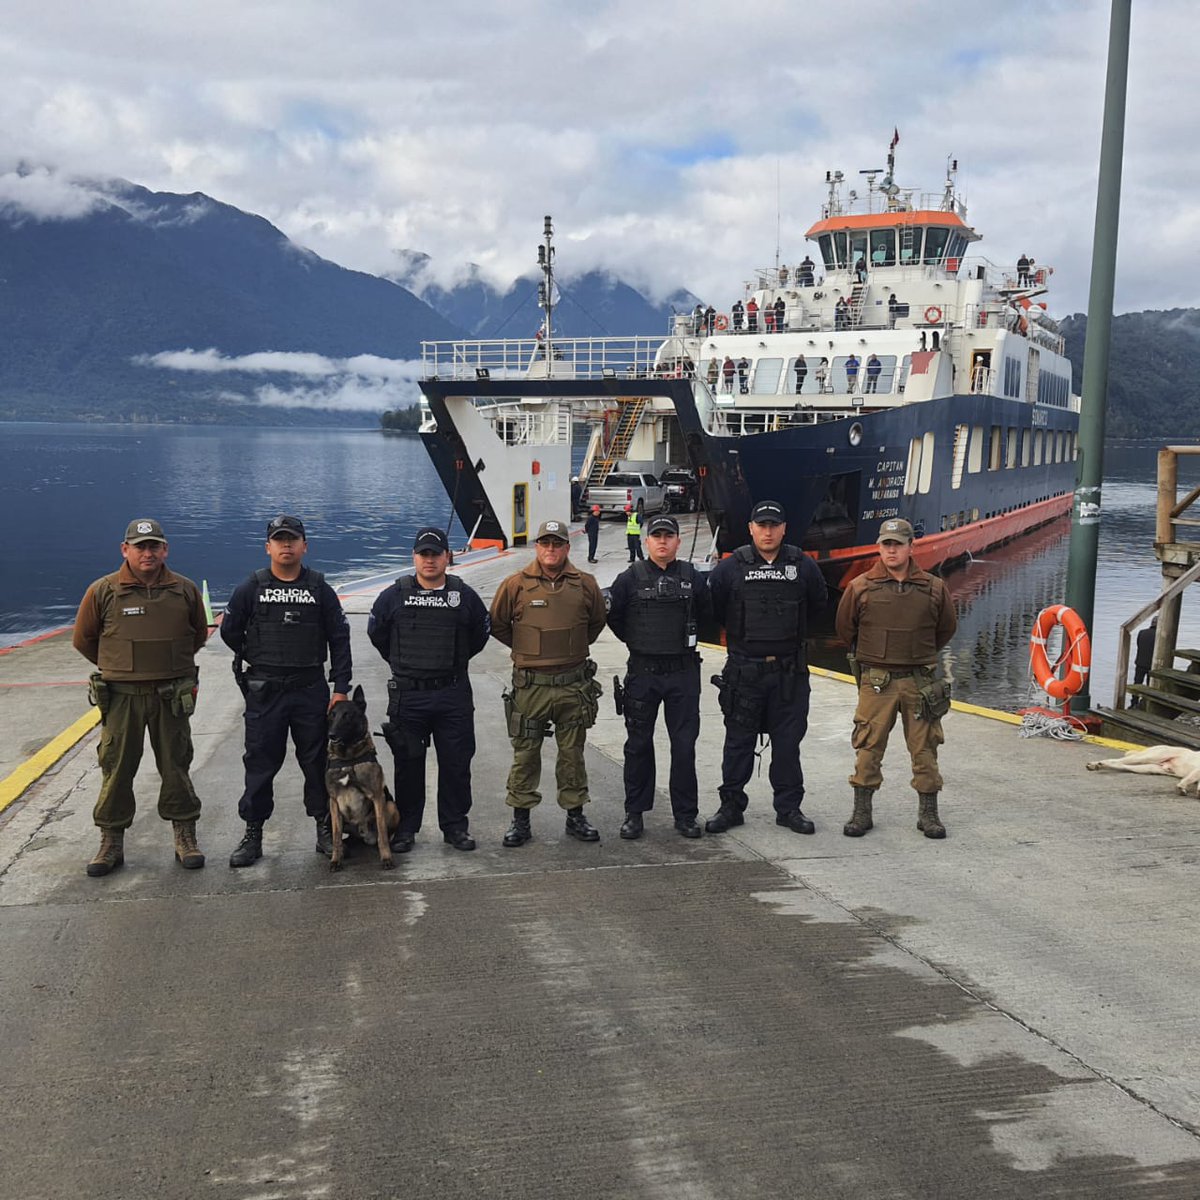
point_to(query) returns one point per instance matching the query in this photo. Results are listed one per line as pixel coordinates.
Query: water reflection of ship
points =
(998, 597)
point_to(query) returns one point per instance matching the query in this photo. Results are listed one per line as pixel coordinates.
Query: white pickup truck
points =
(633, 488)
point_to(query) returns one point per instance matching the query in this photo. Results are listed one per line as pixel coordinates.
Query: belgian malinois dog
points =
(358, 797)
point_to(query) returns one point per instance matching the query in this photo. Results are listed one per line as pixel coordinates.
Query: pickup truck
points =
(641, 492)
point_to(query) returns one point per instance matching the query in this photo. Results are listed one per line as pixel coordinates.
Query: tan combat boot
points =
(187, 852)
(111, 853)
(860, 820)
(928, 821)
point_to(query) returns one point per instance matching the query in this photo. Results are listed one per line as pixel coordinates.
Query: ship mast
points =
(545, 254)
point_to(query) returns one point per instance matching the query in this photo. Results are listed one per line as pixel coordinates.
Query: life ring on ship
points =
(1077, 655)
(933, 314)
(722, 322)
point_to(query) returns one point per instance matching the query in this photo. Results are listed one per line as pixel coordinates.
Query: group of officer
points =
(142, 626)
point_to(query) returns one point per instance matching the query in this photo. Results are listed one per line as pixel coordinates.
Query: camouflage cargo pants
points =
(874, 719)
(571, 710)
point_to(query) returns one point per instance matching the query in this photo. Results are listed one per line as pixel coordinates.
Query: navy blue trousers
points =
(269, 720)
(679, 695)
(448, 716)
(786, 722)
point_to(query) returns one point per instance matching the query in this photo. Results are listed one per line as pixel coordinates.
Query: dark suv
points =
(681, 488)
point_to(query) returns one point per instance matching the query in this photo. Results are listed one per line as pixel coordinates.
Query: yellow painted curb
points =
(11, 786)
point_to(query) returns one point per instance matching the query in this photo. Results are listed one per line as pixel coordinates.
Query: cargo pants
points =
(135, 709)
(874, 719)
(571, 710)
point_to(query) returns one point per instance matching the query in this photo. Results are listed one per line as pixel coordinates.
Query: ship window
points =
(810, 379)
(926, 463)
(1010, 458)
(935, 243)
(826, 244)
(1026, 441)
(905, 363)
(914, 466)
(859, 249)
(883, 247)
(887, 373)
(1039, 439)
(975, 455)
(910, 245)
(766, 376)
(994, 449)
(962, 434)
(839, 249)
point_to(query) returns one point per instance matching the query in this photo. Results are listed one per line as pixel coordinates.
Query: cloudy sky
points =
(676, 143)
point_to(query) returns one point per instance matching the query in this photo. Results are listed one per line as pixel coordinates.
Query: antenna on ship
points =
(951, 172)
(545, 256)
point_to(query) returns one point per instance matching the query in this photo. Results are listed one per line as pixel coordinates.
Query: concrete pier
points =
(1009, 1013)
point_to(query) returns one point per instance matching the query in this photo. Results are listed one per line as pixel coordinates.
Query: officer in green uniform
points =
(896, 618)
(142, 626)
(549, 613)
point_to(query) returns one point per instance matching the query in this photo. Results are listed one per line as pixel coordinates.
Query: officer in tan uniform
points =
(142, 626)
(895, 618)
(549, 613)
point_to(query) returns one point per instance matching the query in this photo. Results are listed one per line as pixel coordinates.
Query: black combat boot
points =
(725, 818)
(578, 827)
(632, 829)
(519, 832)
(324, 835)
(928, 821)
(860, 820)
(249, 849)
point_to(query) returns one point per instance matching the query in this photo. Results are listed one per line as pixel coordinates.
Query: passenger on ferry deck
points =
(714, 371)
(769, 318)
(801, 373)
(806, 269)
(851, 373)
(1023, 265)
(737, 313)
(860, 269)
(743, 369)
(751, 315)
(895, 618)
(874, 366)
(893, 309)
(822, 374)
(727, 369)
(766, 595)
(698, 323)
(783, 275)
(841, 314)
(710, 320)
(780, 314)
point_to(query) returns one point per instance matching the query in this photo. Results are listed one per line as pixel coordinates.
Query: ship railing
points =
(525, 358)
(878, 202)
(516, 425)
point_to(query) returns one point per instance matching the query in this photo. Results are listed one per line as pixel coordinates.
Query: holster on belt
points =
(99, 694)
(618, 695)
(239, 673)
(180, 694)
(856, 670)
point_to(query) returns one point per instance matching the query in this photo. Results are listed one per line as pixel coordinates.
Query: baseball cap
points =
(768, 512)
(143, 529)
(554, 529)
(662, 524)
(897, 530)
(431, 538)
(292, 525)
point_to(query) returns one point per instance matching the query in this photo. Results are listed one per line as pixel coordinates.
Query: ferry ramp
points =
(1008, 1013)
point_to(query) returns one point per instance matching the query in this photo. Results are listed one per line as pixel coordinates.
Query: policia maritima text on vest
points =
(766, 595)
(654, 606)
(282, 623)
(549, 613)
(142, 626)
(428, 626)
(896, 618)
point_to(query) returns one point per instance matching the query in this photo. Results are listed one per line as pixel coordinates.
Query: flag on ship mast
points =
(895, 138)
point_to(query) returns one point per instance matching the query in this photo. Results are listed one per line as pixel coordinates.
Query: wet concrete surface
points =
(1008, 1013)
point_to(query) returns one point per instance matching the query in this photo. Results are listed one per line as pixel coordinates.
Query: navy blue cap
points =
(292, 525)
(431, 538)
(662, 524)
(768, 512)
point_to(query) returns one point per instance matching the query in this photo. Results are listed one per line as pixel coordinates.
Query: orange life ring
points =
(1077, 655)
(933, 314)
(722, 322)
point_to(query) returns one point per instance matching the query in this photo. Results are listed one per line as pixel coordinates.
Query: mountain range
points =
(154, 306)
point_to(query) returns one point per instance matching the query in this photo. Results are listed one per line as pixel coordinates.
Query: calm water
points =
(68, 491)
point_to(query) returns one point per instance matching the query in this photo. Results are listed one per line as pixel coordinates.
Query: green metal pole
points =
(1085, 512)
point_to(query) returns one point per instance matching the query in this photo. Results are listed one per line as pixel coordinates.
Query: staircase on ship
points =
(1166, 708)
(630, 410)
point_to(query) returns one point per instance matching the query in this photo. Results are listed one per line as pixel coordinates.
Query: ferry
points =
(893, 372)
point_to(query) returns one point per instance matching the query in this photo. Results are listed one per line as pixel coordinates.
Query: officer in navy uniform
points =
(428, 625)
(654, 606)
(282, 623)
(765, 595)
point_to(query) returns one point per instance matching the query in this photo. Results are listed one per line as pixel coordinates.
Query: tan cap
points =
(897, 530)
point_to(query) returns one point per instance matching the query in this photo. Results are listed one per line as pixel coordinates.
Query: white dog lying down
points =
(1158, 760)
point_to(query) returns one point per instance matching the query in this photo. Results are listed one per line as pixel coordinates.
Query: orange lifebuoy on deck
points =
(722, 322)
(1077, 654)
(933, 314)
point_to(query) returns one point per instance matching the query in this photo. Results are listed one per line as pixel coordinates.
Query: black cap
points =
(431, 538)
(144, 529)
(768, 512)
(662, 524)
(292, 525)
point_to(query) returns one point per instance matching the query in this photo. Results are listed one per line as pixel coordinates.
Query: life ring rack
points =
(933, 315)
(722, 322)
(1077, 654)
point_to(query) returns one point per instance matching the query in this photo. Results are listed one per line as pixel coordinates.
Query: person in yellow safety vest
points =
(633, 532)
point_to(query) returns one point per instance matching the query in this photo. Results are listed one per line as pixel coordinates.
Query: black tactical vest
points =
(659, 620)
(285, 629)
(767, 613)
(427, 636)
